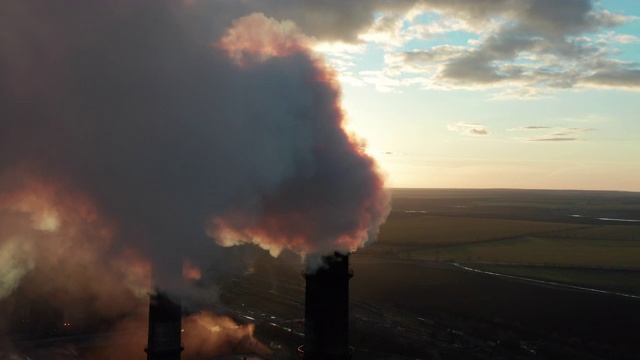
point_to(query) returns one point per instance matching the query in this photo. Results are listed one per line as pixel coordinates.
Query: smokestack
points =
(326, 323)
(165, 328)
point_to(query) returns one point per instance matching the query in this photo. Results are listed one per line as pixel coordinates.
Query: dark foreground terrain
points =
(559, 250)
(414, 309)
(455, 274)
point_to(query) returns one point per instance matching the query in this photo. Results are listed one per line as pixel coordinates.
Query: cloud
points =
(515, 60)
(620, 38)
(532, 127)
(380, 152)
(381, 81)
(469, 128)
(342, 21)
(386, 30)
(614, 77)
(546, 17)
(525, 48)
(555, 139)
(626, 39)
(558, 134)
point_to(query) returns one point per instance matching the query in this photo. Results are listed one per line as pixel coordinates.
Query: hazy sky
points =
(515, 94)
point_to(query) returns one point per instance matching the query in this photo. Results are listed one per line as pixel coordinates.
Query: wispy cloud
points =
(558, 134)
(532, 127)
(620, 38)
(555, 139)
(380, 152)
(469, 128)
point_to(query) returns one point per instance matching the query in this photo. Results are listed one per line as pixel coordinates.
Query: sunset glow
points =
(465, 95)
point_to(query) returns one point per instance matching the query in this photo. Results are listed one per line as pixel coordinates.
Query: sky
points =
(156, 127)
(536, 94)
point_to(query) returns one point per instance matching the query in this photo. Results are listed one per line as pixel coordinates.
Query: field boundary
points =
(548, 283)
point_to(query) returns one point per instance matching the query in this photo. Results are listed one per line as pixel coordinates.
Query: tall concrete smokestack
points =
(165, 328)
(165, 311)
(326, 323)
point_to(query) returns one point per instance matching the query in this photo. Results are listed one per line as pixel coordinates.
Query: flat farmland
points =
(591, 318)
(583, 229)
(527, 205)
(426, 230)
(580, 238)
(406, 275)
(613, 280)
(603, 232)
(473, 239)
(541, 251)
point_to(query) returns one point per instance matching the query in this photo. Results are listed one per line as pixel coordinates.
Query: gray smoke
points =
(174, 121)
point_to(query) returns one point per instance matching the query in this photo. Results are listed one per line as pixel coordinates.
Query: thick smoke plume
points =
(137, 134)
(171, 129)
(205, 336)
(330, 198)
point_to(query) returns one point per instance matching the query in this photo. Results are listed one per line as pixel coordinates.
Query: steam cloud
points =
(141, 127)
(169, 132)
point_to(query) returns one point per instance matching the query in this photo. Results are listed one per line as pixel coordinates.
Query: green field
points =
(407, 274)
(483, 240)
(614, 280)
(603, 232)
(411, 229)
(533, 229)
(541, 199)
(540, 251)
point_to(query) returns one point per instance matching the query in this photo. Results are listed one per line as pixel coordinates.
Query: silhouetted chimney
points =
(326, 312)
(165, 328)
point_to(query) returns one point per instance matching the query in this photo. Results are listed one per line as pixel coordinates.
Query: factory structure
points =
(165, 328)
(326, 313)
(325, 327)
(326, 310)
